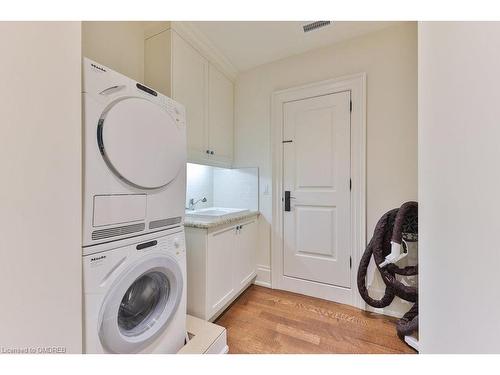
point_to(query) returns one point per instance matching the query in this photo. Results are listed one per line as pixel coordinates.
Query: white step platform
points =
(204, 338)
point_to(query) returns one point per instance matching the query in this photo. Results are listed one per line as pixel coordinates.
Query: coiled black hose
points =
(392, 226)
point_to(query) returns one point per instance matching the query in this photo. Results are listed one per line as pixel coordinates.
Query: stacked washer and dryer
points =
(134, 255)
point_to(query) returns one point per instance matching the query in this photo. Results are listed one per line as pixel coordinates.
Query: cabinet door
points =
(157, 62)
(220, 251)
(220, 116)
(190, 88)
(244, 262)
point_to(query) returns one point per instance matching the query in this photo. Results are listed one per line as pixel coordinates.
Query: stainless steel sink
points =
(214, 212)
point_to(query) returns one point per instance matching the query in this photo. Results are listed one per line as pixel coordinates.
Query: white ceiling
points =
(247, 44)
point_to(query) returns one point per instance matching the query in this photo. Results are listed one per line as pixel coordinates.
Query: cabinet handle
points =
(211, 152)
(208, 151)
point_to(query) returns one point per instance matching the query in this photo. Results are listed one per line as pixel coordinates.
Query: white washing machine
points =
(134, 158)
(135, 295)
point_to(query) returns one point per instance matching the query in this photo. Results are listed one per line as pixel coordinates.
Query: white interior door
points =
(316, 173)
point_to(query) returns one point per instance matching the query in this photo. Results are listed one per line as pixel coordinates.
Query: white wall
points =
(389, 58)
(40, 160)
(117, 44)
(459, 179)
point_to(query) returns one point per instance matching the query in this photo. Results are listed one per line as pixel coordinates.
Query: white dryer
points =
(135, 295)
(134, 158)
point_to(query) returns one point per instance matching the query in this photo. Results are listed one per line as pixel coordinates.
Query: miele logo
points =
(97, 67)
(97, 258)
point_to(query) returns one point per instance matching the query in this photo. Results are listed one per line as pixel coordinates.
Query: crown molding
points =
(188, 31)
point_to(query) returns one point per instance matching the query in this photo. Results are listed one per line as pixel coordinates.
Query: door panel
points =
(313, 145)
(317, 235)
(316, 171)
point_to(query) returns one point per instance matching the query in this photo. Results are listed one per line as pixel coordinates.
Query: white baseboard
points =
(263, 276)
(385, 311)
(396, 309)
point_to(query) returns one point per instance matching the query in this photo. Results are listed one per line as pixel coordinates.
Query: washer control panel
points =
(174, 243)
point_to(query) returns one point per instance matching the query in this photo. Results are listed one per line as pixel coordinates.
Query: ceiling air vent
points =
(315, 25)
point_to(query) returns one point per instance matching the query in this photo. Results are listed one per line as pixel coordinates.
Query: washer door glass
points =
(140, 304)
(143, 303)
(141, 143)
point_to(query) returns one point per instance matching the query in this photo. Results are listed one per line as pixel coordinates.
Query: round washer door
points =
(141, 143)
(140, 304)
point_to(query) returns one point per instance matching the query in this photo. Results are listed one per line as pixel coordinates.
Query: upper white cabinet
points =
(189, 87)
(177, 69)
(158, 64)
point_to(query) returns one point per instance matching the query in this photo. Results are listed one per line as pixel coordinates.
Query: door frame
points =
(356, 84)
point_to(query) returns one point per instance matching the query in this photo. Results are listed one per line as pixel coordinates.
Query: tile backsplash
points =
(234, 188)
(199, 184)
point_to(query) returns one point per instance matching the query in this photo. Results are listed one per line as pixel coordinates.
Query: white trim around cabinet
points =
(356, 84)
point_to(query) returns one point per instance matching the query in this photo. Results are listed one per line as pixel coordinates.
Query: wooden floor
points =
(264, 320)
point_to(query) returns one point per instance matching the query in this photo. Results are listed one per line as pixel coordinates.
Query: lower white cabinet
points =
(220, 265)
(244, 262)
(221, 253)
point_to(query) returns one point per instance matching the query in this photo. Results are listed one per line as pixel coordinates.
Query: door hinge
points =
(350, 262)
(350, 184)
(350, 106)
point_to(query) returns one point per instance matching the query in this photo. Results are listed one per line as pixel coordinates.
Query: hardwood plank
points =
(264, 320)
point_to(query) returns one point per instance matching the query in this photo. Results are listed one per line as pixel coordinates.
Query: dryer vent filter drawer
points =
(119, 209)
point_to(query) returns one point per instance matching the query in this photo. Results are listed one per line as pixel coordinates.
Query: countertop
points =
(212, 223)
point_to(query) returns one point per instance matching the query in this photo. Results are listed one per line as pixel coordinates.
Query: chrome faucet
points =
(192, 202)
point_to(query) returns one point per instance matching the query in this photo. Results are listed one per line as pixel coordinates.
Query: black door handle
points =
(287, 200)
